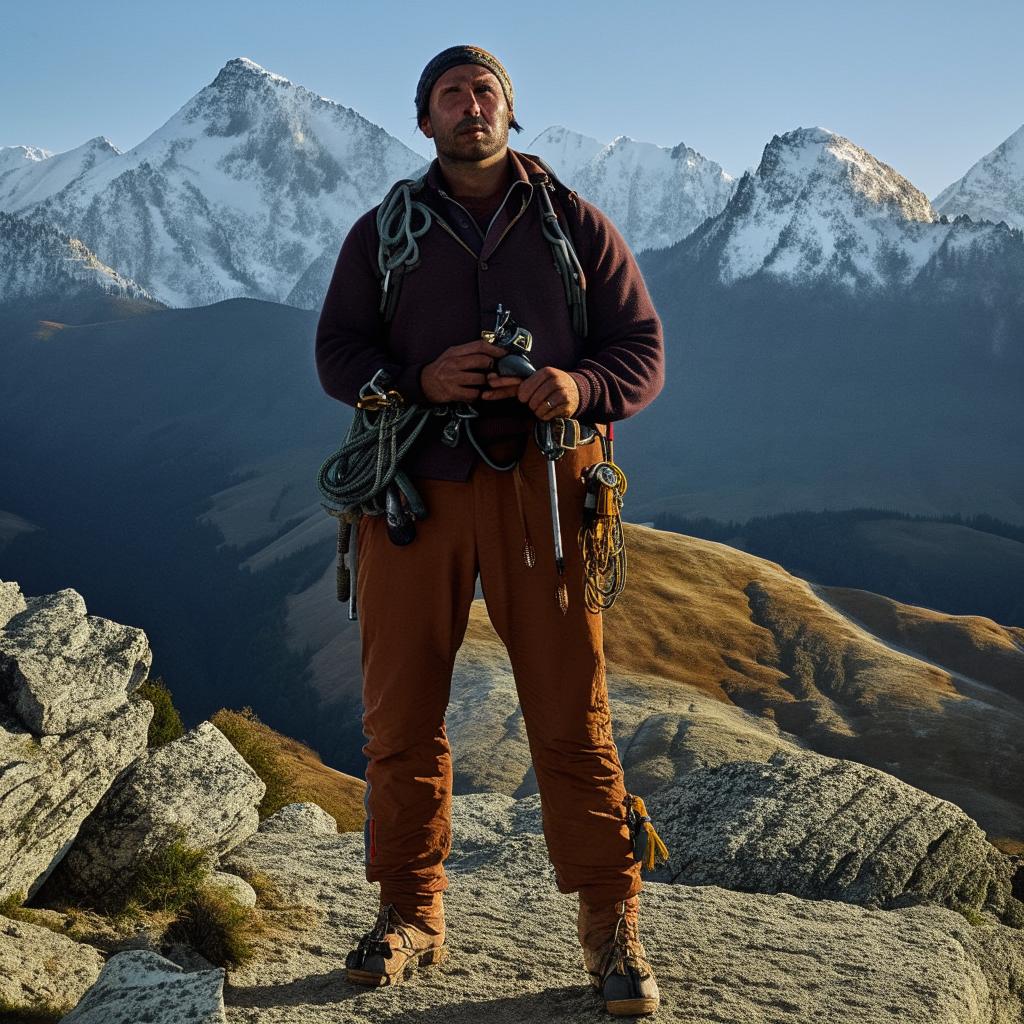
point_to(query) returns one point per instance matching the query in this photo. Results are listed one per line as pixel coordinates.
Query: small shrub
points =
(218, 927)
(11, 906)
(165, 879)
(166, 724)
(251, 738)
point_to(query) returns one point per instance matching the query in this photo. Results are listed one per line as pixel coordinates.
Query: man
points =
(484, 247)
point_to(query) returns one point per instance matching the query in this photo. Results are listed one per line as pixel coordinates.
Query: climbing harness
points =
(647, 845)
(600, 538)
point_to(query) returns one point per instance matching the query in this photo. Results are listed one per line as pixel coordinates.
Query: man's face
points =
(467, 116)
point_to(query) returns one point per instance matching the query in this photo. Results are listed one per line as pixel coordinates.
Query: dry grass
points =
(292, 771)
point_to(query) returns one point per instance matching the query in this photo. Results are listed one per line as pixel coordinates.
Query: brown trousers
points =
(414, 603)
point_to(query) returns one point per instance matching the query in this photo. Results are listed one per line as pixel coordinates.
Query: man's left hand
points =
(549, 392)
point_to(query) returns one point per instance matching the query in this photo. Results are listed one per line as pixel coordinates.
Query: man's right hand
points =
(460, 372)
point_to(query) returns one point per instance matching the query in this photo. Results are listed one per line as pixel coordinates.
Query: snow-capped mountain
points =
(654, 195)
(38, 259)
(993, 189)
(820, 208)
(29, 174)
(249, 182)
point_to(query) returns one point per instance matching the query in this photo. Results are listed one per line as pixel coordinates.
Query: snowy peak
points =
(655, 195)
(29, 175)
(245, 72)
(565, 151)
(16, 156)
(810, 160)
(819, 206)
(993, 189)
(236, 194)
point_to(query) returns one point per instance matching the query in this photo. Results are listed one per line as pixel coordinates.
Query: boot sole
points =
(631, 1007)
(374, 980)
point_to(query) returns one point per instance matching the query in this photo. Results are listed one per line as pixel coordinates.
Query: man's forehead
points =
(462, 73)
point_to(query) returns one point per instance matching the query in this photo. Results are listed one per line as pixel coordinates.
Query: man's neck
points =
(476, 178)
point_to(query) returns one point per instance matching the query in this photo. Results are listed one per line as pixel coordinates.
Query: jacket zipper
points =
(483, 237)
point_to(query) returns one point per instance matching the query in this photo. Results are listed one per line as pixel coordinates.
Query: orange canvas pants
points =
(414, 603)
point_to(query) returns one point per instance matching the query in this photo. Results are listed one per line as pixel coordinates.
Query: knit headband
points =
(453, 57)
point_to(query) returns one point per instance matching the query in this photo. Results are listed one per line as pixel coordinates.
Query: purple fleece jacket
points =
(453, 295)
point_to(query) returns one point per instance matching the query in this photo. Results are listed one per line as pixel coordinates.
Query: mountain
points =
(820, 207)
(831, 343)
(654, 195)
(993, 189)
(39, 261)
(235, 195)
(29, 174)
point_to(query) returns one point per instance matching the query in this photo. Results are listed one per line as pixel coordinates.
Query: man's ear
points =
(426, 128)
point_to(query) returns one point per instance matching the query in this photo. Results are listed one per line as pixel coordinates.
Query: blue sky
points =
(927, 87)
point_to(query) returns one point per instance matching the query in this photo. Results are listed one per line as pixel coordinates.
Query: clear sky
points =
(928, 87)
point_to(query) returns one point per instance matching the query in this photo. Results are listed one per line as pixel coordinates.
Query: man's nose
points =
(471, 107)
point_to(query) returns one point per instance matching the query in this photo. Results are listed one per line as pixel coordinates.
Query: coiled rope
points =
(398, 250)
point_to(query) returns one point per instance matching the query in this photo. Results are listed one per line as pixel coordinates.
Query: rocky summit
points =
(799, 887)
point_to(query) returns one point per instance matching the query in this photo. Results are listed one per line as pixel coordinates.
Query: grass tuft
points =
(256, 743)
(166, 724)
(217, 927)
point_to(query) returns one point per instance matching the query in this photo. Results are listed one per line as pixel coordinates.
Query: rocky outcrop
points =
(140, 985)
(50, 784)
(60, 669)
(824, 828)
(37, 964)
(77, 678)
(198, 783)
(11, 602)
(721, 956)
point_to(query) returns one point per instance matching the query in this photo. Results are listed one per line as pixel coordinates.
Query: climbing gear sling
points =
(363, 477)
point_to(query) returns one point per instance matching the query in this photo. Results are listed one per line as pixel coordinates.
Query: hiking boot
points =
(616, 959)
(391, 950)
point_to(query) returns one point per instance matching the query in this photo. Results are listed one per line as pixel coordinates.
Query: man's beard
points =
(472, 148)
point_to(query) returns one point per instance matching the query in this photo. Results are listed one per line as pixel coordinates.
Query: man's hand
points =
(549, 392)
(458, 373)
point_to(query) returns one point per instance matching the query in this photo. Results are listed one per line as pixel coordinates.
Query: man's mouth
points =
(472, 128)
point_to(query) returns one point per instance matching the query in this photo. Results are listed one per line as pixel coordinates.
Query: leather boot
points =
(616, 959)
(393, 949)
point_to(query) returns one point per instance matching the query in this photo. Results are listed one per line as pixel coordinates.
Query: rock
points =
(304, 817)
(61, 669)
(825, 828)
(139, 985)
(723, 957)
(198, 782)
(11, 602)
(50, 784)
(39, 964)
(237, 888)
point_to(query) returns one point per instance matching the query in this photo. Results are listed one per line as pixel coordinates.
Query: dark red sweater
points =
(453, 295)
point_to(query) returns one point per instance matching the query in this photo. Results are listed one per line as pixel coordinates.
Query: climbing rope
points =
(398, 251)
(601, 541)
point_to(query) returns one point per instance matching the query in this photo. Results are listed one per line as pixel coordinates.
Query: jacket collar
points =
(523, 166)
